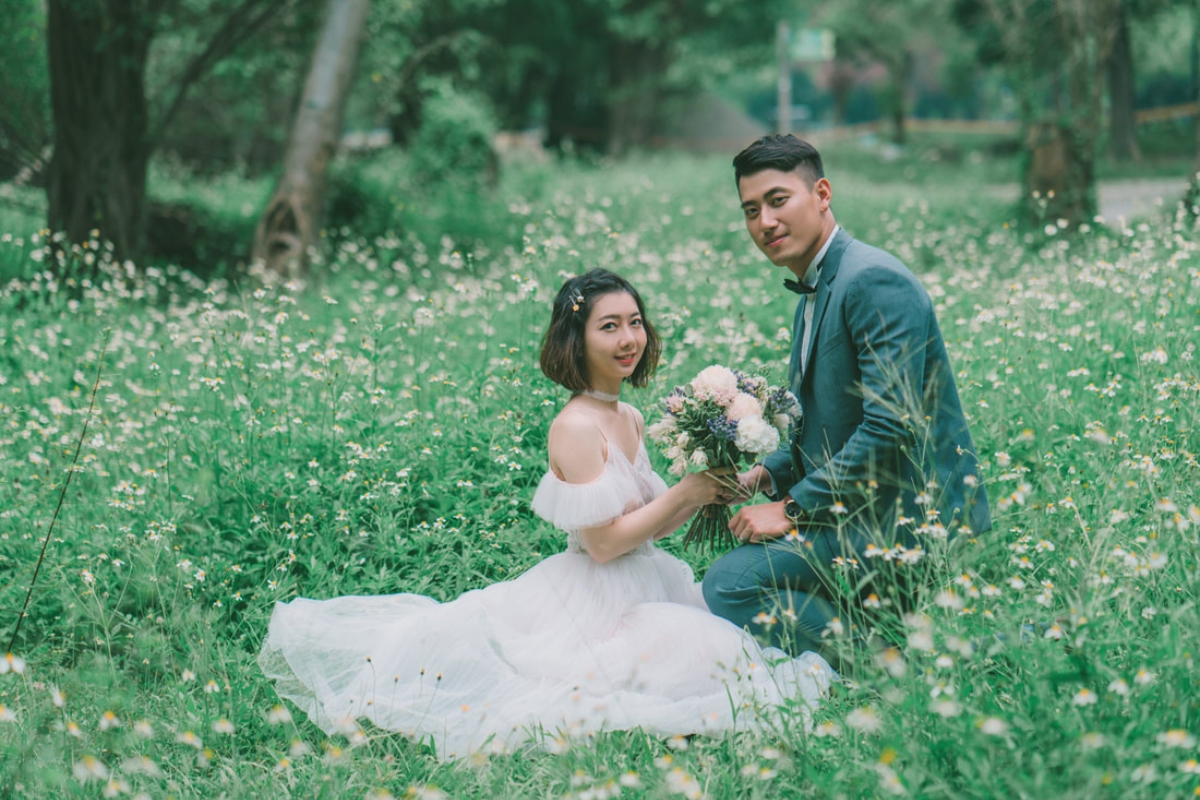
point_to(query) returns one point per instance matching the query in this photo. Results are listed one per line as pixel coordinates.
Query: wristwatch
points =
(794, 512)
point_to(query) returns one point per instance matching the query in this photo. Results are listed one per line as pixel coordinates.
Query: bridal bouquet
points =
(722, 418)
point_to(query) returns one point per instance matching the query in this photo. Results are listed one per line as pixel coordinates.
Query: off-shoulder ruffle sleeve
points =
(572, 506)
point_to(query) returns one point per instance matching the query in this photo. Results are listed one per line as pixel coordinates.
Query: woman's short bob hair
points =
(564, 356)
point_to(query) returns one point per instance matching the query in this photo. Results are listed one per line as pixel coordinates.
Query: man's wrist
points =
(796, 513)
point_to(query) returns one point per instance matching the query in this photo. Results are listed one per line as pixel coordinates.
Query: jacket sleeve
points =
(779, 467)
(888, 317)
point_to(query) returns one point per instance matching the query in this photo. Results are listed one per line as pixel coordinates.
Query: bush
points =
(454, 141)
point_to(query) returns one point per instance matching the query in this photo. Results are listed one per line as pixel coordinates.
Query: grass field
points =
(380, 427)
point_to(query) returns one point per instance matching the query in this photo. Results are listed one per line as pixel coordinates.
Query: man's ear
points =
(824, 190)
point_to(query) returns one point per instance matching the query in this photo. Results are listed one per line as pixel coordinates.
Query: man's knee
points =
(724, 584)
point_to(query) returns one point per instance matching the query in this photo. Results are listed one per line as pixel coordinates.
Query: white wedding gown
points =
(569, 648)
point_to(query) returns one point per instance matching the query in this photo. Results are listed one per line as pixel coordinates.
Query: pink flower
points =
(716, 383)
(743, 406)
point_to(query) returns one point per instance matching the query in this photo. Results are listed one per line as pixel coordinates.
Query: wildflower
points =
(187, 676)
(190, 739)
(1084, 697)
(108, 721)
(6, 714)
(116, 787)
(1165, 505)
(1146, 773)
(630, 780)
(679, 782)
(90, 768)
(223, 726)
(891, 660)
(141, 765)
(278, 715)
(1177, 737)
(889, 781)
(864, 720)
(946, 708)
(57, 697)
(1092, 740)
(211, 687)
(12, 663)
(993, 726)
(1119, 686)
(828, 728)
(948, 598)
(1144, 677)
(143, 729)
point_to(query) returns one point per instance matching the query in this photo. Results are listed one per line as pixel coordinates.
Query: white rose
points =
(756, 437)
(700, 458)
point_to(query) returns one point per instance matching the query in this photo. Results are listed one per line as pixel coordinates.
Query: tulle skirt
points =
(569, 648)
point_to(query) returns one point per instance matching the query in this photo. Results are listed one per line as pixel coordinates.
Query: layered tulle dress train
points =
(569, 648)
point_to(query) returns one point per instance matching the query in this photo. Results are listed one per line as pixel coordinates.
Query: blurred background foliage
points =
(165, 124)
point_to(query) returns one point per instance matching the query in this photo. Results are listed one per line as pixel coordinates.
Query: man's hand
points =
(751, 482)
(760, 523)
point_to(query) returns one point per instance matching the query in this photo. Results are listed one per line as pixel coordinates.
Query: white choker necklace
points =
(604, 396)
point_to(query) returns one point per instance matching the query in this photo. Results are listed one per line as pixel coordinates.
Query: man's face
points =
(785, 216)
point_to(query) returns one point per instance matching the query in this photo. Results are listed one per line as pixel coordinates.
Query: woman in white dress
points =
(612, 634)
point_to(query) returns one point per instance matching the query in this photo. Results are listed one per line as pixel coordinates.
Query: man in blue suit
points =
(882, 456)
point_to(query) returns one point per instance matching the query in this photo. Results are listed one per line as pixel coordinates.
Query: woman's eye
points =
(637, 323)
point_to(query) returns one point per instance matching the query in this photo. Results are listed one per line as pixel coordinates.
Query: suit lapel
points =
(829, 268)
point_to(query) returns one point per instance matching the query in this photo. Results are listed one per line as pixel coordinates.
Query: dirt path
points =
(1124, 199)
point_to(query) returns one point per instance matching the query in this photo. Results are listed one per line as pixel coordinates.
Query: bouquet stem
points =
(710, 528)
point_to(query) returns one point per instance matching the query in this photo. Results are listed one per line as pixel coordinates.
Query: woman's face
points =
(614, 340)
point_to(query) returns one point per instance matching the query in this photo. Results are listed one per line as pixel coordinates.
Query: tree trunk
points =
(1058, 178)
(289, 224)
(637, 71)
(1122, 130)
(897, 95)
(97, 176)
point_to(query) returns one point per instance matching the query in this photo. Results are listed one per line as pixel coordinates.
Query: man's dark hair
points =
(564, 355)
(781, 151)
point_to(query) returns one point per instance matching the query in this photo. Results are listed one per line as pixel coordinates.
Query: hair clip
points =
(576, 300)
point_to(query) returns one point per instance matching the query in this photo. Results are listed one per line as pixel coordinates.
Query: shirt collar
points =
(814, 269)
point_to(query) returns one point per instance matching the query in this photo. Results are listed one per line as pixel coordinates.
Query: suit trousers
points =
(780, 590)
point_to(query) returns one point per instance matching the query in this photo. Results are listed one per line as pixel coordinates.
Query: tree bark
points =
(637, 69)
(97, 176)
(1059, 178)
(289, 224)
(1122, 129)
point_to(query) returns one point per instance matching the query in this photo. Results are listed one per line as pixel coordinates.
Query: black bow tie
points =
(798, 287)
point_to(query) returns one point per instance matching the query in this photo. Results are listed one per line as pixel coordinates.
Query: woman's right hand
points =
(709, 487)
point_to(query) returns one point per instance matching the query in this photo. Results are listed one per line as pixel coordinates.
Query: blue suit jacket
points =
(883, 431)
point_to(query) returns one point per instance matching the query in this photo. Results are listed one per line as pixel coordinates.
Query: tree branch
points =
(242, 23)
